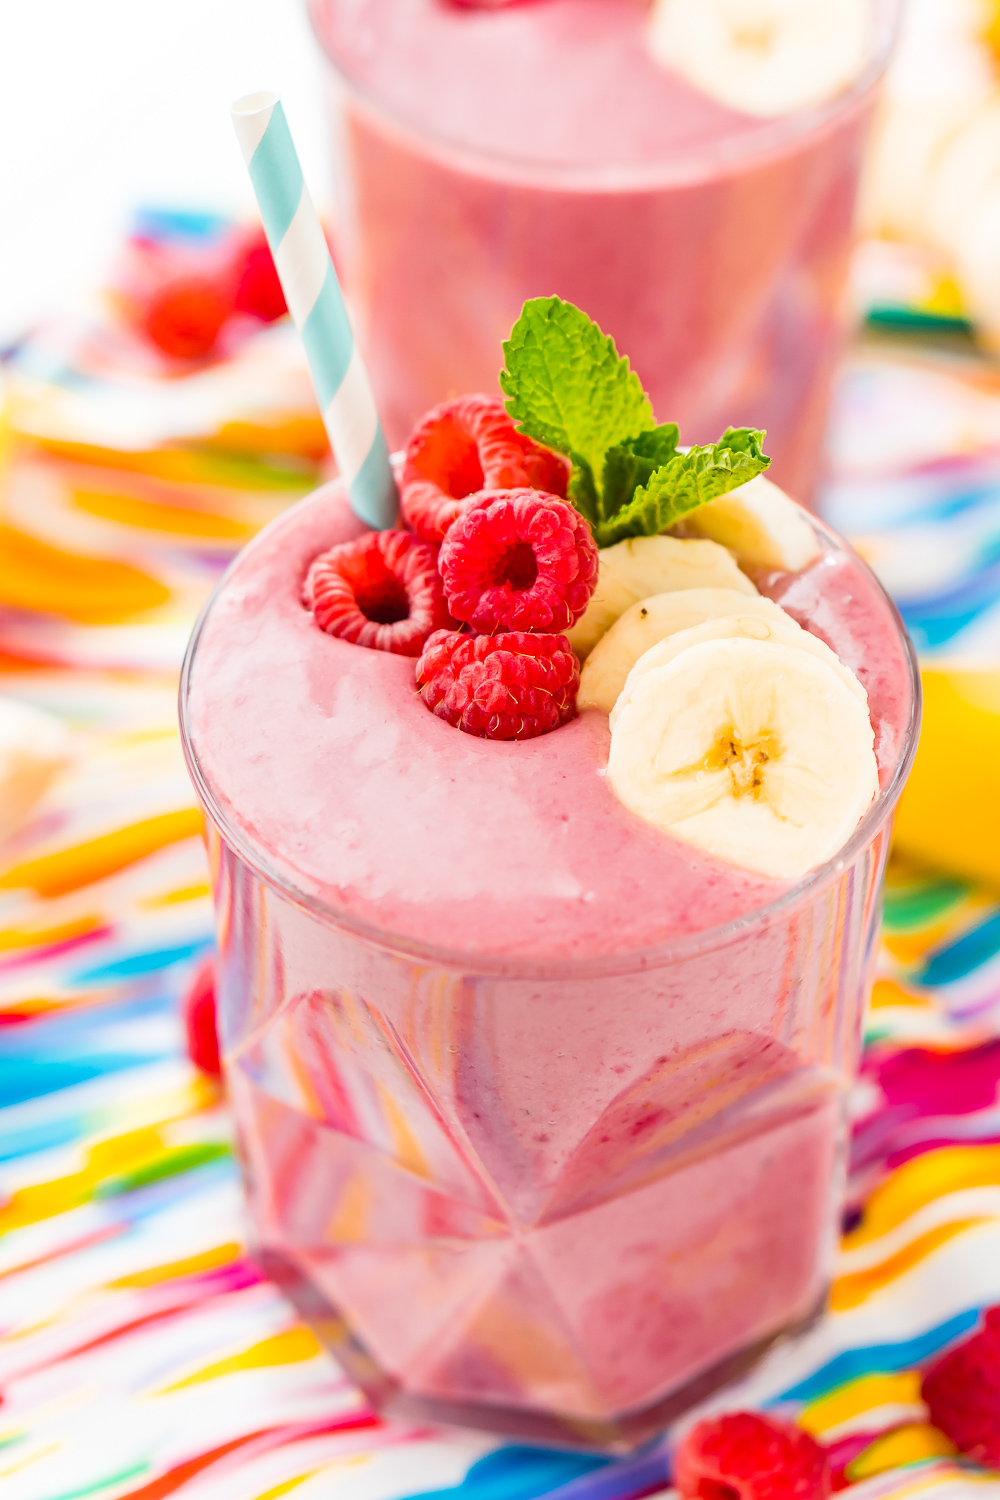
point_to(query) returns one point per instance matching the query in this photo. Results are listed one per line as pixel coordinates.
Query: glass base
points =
(621, 1434)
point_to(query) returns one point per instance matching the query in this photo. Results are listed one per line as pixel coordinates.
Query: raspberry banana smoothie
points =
(537, 1044)
(486, 155)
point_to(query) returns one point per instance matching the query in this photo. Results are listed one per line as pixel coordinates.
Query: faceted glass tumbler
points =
(558, 1200)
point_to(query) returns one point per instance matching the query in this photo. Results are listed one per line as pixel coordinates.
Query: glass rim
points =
(660, 955)
(766, 139)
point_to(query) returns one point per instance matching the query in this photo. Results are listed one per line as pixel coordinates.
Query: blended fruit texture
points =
(487, 156)
(544, 1173)
(324, 754)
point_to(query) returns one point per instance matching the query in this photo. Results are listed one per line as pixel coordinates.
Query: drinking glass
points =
(563, 1199)
(715, 254)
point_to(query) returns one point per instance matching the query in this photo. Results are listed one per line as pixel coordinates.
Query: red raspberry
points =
(184, 318)
(746, 1456)
(500, 687)
(462, 447)
(383, 590)
(258, 289)
(198, 1012)
(962, 1390)
(518, 560)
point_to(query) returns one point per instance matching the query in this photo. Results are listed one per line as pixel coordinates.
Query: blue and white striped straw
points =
(314, 299)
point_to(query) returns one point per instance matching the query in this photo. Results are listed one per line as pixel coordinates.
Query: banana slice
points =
(760, 524)
(33, 746)
(941, 76)
(764, 57)
(962, 215)
(757, 753)
(909, 140)
(966, 173)
(652, 620)
(977, 266)
(754, 627)
(646, 565)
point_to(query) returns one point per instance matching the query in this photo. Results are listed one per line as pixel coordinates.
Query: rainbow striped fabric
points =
(126, 487)
(915, 448)
(142, 1355)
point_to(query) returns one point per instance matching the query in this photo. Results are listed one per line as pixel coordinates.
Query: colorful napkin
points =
(142, 1355)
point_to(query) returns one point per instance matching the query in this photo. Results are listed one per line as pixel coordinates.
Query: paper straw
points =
(316, 304)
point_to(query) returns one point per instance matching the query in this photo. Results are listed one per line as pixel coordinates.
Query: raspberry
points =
(500, 687)
(184, 318)
(462, 447)
(198, 1011)
(383, 590)
(962, 1391)
(745, 1456)
(258, 289)
(518, 560)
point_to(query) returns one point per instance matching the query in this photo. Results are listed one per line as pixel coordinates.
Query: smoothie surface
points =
(562, 82)
(322, 758)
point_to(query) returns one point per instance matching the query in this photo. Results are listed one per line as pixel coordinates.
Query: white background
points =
(108, 104)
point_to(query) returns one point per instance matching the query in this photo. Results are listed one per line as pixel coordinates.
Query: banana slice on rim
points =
(646, 565)
(755, 627)
(651, 620)
(760, 524)
(764, 57)
(756, 753)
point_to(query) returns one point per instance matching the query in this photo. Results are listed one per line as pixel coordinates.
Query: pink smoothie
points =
(323, 756)
(487, 156)
(541, 1110)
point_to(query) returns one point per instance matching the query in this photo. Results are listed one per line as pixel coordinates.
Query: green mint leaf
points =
(686, 481)
(582, 491)
(658, 445)
(566, 385)
(628, 465)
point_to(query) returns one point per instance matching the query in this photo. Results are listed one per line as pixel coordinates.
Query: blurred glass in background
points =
(685, 171)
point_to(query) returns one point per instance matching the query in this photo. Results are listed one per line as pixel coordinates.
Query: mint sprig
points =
(633, 463)
(685, 482)
(567, 387)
